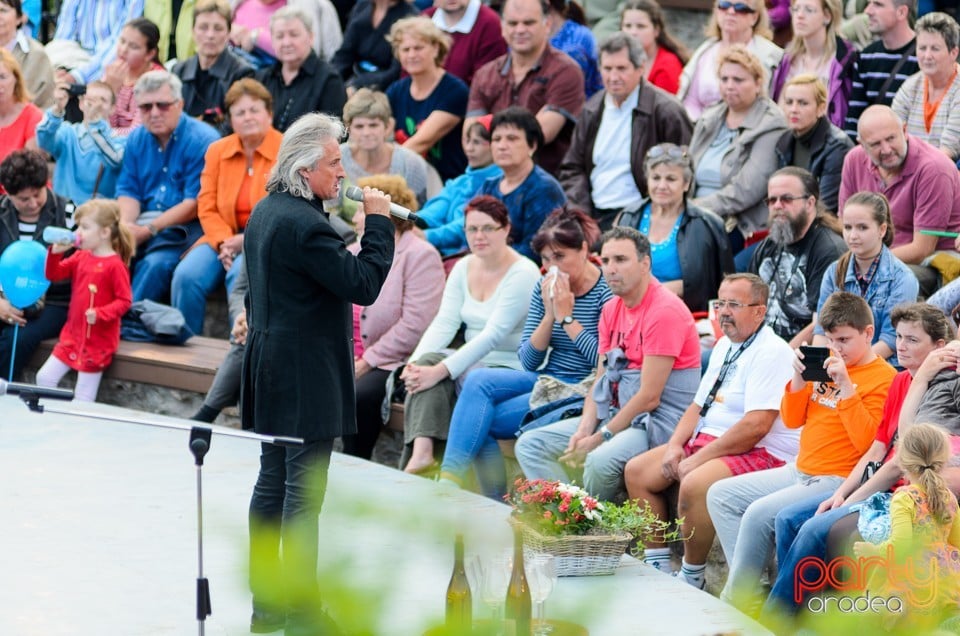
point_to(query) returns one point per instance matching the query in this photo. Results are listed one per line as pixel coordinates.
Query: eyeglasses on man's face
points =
(732, 304)
(161, 106)
(786, 199)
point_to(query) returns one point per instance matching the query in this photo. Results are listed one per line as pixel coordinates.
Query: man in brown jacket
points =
(602, 171)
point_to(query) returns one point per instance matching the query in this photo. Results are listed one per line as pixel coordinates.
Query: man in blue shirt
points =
(159, 182)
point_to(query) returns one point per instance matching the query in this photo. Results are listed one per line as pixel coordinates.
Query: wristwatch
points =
(568, 320)
(606, 433)
(152, 229)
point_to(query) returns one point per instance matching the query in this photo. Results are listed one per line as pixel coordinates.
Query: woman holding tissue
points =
(559, 340)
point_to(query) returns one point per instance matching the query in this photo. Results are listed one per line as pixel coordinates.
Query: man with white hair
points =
(159, 182)
(302, 282)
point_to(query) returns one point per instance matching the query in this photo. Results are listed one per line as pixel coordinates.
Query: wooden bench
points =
(190, 367)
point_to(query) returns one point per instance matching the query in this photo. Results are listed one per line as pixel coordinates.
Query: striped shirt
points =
(568, 360)
(95, 25)
(945, 129)
(870, 72)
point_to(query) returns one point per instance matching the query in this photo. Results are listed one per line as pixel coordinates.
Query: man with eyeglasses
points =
(159, 182)
(602, 171)
(732, 426)
(803, 241)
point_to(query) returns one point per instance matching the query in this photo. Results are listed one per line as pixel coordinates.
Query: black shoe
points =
(266, 622)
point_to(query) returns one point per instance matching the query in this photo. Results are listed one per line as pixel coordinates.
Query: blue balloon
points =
(21, 273)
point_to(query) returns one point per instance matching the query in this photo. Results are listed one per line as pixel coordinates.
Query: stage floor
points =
(99, 538)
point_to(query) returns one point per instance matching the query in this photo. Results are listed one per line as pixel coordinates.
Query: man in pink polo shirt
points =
(922, 184)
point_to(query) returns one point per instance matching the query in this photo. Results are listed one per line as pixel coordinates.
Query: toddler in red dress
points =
(100, 296)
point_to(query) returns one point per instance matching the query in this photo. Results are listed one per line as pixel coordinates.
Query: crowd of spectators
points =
(622, 247)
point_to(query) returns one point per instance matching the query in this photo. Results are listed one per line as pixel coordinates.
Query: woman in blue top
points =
(429, 103)
(569, 33)
(562, 322)
(529, 192)
(870, 269)
(689, 250)
(443, 214)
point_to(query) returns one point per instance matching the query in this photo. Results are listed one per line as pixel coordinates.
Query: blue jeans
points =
(195, 278)
(46, 325)
(491, 406)
(284, 509)
(800, 534)
(156, 259)
(744, 509)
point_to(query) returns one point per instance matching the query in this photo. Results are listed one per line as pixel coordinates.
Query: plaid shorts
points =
(756, 458)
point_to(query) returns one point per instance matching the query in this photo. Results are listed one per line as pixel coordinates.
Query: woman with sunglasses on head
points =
(812, 141)
(689, 250)
(733, 147)
(817, 49)
(136, 54)
(733, 22)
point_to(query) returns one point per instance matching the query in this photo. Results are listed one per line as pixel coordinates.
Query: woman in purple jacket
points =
(386, 332)
(816, 48)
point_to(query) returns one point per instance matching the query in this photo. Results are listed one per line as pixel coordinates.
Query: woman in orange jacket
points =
(234, 177)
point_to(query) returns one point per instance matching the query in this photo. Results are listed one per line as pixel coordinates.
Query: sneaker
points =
(701, 584)
(662, 566)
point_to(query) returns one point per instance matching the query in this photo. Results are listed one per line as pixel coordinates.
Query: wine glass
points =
(495, 577)
(541, 570)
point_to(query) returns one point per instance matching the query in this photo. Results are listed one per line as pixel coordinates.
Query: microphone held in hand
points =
(15, 388)
(356, 194)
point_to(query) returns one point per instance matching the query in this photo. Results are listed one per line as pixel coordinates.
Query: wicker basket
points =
(579, 555)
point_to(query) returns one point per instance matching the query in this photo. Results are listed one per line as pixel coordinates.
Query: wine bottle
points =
(518, 605)
(459, 599)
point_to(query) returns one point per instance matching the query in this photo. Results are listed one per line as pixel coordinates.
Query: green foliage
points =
(640, 522)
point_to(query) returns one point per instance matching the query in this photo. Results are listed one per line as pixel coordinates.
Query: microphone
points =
(356, 194)
(15, 388)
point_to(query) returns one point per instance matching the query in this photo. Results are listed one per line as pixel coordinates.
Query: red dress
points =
(85, 347)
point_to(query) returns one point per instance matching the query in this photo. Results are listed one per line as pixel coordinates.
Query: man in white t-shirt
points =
(732, 427)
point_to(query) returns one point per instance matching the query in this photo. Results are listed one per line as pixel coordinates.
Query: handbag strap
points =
(96, 184)
(910, 50)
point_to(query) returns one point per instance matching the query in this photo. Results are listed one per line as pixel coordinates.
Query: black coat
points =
(201, 96)
(316, 88)
(53, 213)
(298, 362)
(829, 146)
(704, 251)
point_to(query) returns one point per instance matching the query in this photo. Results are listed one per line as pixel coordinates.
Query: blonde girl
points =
(924, 532)
(100, 296)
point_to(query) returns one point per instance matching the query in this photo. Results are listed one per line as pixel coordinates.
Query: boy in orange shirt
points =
(839, 420)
